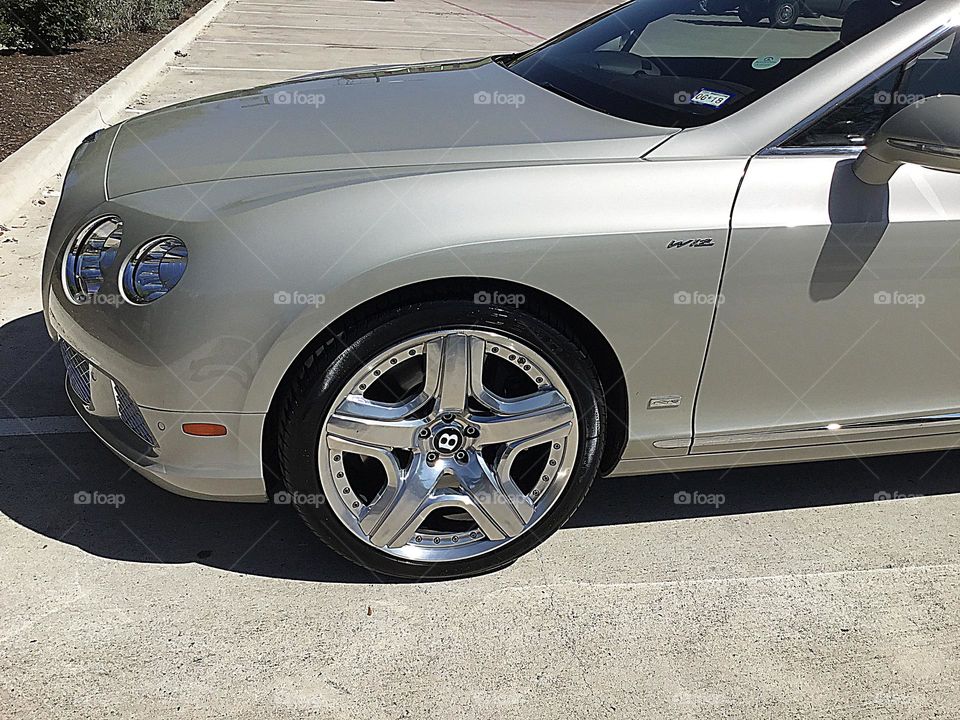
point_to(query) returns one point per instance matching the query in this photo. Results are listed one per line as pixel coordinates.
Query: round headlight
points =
(91, 253)
(154, 270)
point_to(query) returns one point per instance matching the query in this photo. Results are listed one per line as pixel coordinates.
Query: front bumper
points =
(153, 443)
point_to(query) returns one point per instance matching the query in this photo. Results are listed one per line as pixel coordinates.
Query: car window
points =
(935, 72)
(679, 63)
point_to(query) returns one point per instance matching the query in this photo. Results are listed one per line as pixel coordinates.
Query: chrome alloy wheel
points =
(448, 445)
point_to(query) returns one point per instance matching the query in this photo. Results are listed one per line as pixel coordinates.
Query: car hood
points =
(473, 113)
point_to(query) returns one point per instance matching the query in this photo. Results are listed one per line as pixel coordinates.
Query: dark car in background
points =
(780, 13)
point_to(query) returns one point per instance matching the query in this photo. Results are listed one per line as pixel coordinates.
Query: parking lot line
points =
(288, 71)
(50, 425)
(496, 19)
(340, 46)
(247, 27)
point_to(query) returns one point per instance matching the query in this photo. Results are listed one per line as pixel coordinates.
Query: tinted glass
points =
(935, 72)
(681, 63)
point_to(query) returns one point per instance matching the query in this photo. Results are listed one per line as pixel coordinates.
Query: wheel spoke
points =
(504, 463)
(499, 500)
(514, 428)
(544, 397)
(454, 372)
(386, 458)
(361, 407)
(540, 400)
(393, 519)
(370, 424)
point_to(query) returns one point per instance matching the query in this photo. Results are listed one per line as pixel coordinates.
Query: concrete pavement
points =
(799, 596)
(259, 42)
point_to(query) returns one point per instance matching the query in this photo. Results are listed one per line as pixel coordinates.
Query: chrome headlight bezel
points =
(153, 270)
(84, 267)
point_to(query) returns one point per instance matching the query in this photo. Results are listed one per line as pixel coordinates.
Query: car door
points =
(826, 7)
(839, 312)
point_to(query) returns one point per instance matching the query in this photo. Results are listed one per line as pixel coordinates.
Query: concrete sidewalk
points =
(252, 43)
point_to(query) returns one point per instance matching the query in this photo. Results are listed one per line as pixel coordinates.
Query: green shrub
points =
(46, 25)
(6, 34)
(52, 25)
(155, 13)
(109, 18)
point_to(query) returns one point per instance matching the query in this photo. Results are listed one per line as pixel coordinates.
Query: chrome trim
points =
(851, 150)
(131, 416)
(131, 269)
(78, 372)
(69, 271)
(664, 402)
(673, 444)
(103, 401)
(830, 434)
(782, 456)
(924, 148)
(918, 48)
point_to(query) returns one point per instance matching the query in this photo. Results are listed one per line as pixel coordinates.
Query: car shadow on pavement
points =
(71, 489)
(768, 488)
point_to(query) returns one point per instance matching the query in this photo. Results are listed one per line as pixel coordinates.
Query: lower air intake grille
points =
(131, 415)
(78, 371)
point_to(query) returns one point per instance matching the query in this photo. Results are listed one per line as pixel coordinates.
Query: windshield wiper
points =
(570, 96)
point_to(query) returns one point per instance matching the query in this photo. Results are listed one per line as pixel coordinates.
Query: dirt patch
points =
(36, 90)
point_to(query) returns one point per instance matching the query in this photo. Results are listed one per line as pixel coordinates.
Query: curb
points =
(23, 173)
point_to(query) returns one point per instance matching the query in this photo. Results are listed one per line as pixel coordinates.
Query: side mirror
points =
(926, 133)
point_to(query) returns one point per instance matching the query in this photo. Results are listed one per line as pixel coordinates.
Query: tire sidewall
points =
(778, 8)
(344, 357)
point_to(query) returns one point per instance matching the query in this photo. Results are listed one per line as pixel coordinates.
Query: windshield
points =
(684, 63)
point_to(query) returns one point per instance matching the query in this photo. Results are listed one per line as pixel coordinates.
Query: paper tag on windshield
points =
(711, 98)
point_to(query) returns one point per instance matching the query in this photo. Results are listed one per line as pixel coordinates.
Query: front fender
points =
(275, 260)
(594, 236)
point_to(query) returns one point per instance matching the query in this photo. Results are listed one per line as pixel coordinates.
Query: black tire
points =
(750, 13)
(324, 374)
(784, 14)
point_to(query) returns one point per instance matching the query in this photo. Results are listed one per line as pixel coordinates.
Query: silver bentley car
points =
(426, 306)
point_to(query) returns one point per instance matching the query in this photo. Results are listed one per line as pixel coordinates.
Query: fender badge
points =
(694, 243)
(664, 402)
